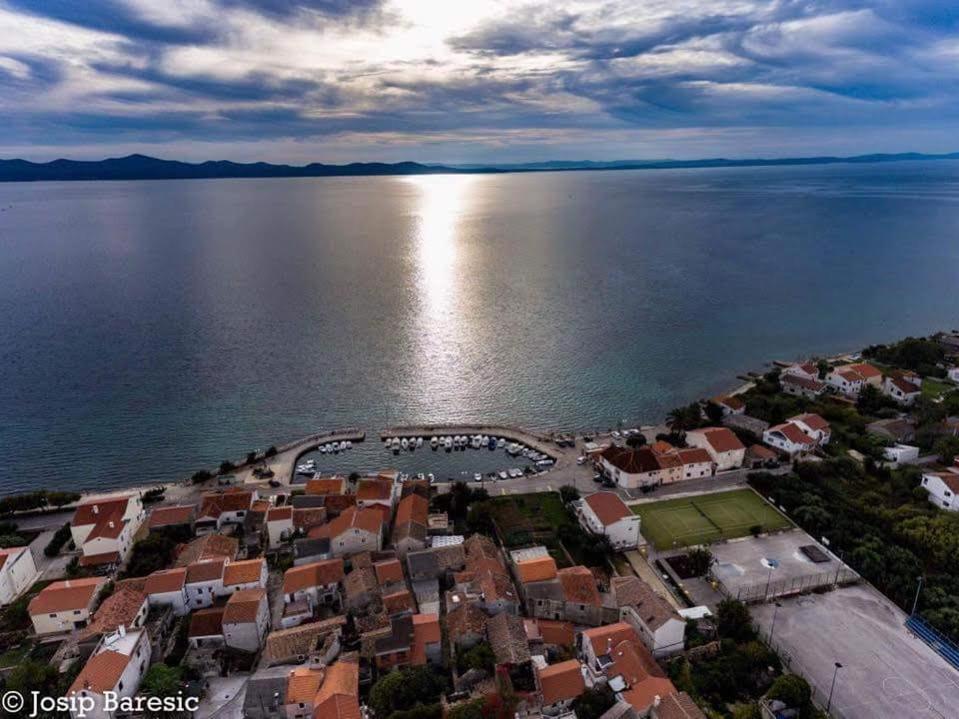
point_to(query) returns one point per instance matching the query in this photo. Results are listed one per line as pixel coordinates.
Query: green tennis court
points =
(707, 518)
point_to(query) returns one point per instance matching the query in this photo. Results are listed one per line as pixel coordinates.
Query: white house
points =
(245, 574)
(103, 529)
(18, 572)
(789, 438)
(558, 685)
(723, 446)
(729, 404)
(660, 627)
(807, 387)
(65, 606)
(316, 583)
(634, 468)
(606, 514)
(901, 454)
(901, 390)
(219, 508)
(168, 587)
(279, 525)
(813, 425)
(117, 666)
(246, 619)
(204, 582)
(942, 488)
(804, 370)
(354, 531)
(849, 379)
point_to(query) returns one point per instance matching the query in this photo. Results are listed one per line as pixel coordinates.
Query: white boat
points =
(323, 449)
(387, 443)
(475, 442)
(513, 449)
(448, 443)
(419, 441)
(335, 447)
(434, 442)
(430, 478)
(503, 475)
(484, 439)
(404, 443)
(500, 443)
(477, 477)
(420, 476)
(515, 472)
(349, 444)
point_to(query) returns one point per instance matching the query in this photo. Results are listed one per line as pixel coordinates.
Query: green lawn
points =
(707, 518)
(935, 388)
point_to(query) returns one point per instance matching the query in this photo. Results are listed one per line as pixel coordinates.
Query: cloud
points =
(379, 74)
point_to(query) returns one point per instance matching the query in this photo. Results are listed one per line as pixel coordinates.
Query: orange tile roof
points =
(811, 420)
(303, 683)
(608, 507)
(731, 401)
(661, 447)
(121, 607)
(559, 682)
(109, 525)
(169, 516)
(206, 547)
(397, 602)
(243, 606)
(101, 673)
(66, 595)
(412, 508)
(206, 570)
(279, 514)
(373, 489)
(721, 439)
(244, 572)
(579, 586)
(323, 486)
(368, 519)
(693, 455)
(536, 570)
(426, 630)
(232, 501)
(98, 560)
(165, 580)
(792, 432)
(865, 370)
(604, 638)
(317, 574)
(556, 632)
(92, 511)
(388, 570)
(679, 706)
(308, 517)
(338, 697)
(206, 622)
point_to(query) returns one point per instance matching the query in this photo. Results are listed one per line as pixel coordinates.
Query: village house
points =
(658, 464)
(465, 624)
(246, 619)
(64, 606)
(507, 638)
(789, 439)
(902, 390)
(373, 491)
(104, 529)
(311, 585)
(849, 379)
(127, 607)
(330, 692)
(246, 574)
(807, 387)
(410, 528)
(568, 594)
(724, 447)
(167, 587)
(222, 508)
(729, 404)
(208, 546)
(355, 530)
(204, 582)
(18, 572)
(943, 488)
(758, 456)
(804, 370)
(558, 685)
(305, 518)
(549, 635)
(605, 514)
(485, 580)
(279, 526)
(314, 643)
(179, 519)
(116, 667)
(206, 628)
(813, 425)
(656, 621)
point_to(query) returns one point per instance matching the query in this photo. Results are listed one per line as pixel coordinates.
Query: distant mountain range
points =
(142, 167)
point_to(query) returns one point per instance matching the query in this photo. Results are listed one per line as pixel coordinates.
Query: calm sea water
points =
(151, 328)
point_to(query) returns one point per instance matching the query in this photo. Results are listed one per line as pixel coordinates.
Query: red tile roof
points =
(604, 638)
(101, 673)
(721, 439)
(368, 519)
(412, 508)
(279, 514)
(811, 420)
(66, 595)
(374, 489)
(536, 570)
(244, 572)
(170, 516)
(426, 630)
(792, 432)
(243, 606)
(632, 461)
(327, 485)
(579, 586)
(561, 682)
(205, 570)
(608, 507)
(388, 570)
(317, 574)
(165, 580)
(206, 622)
(92, 511)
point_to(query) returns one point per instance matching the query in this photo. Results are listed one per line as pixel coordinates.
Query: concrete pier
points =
(540, 442)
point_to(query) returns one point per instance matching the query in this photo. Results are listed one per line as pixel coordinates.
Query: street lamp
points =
(773, 627)
(915, 603)
(834, 674)
(771, 564)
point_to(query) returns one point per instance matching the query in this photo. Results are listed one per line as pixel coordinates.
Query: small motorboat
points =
(348, 444)
(335, 447)
(477, 477)
(434, 442)
(387, 443)
(503, 475)
(515, 472)
(323, 449)
(500, 443)
(404, 443)
(430, 478)
(448, 444)
(475, 442)
(419, 441)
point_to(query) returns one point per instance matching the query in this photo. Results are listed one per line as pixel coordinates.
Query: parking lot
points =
(745, 567)
(887, 673)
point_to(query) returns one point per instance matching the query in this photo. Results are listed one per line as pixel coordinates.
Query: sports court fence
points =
(820, 695)
(764, 591)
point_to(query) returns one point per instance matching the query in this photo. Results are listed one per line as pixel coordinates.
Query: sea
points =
(149, 329)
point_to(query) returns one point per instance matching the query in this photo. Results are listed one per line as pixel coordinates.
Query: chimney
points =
(112, 525)
(122, 629)
(656, 701)
(96, 509)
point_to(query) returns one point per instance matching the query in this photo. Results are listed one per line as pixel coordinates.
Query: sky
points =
(476, 80)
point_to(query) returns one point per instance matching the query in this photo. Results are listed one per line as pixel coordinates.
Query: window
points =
(77, 611)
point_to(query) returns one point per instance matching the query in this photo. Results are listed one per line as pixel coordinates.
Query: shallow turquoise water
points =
(151, 328)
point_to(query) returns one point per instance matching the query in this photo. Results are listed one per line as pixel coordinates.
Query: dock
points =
(542, 443)
(287, 455)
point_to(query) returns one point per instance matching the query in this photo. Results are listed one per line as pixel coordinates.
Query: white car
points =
(581, 459)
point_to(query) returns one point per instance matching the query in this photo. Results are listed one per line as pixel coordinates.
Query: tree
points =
(270, 451)
(792, 690)
(150, 554)
(714, 413)
(593, 703)
(568, 493)
(61, 499)
(226, 466)
(478, 657)
(636, 440)
(31, 676)
(479, 519)
(468, 710)
(734, 621)
(405, 688)
(700, 560)
(947, 448)
(163, 681)
(685, 418)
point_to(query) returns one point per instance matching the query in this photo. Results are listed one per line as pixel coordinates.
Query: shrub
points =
(226, 466)
(200, 476)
